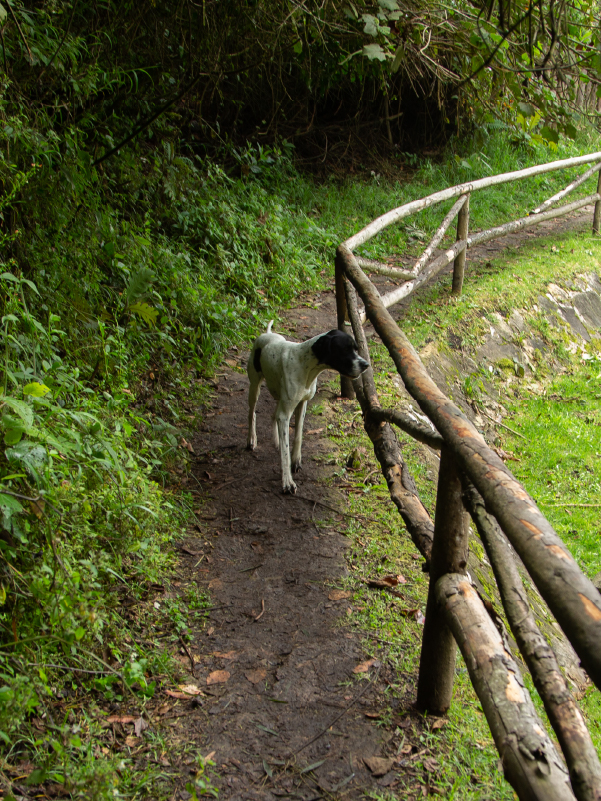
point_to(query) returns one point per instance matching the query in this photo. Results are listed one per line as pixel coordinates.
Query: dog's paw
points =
(289, 489)
(296, 467)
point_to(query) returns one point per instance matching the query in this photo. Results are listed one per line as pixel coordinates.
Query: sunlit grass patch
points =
(560, 457)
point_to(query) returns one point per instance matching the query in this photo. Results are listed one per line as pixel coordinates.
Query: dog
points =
(290, 370)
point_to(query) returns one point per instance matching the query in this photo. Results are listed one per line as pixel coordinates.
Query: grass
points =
(560, 460)
(557, 408)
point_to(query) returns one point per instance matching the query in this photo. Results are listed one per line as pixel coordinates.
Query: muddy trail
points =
(290, 704)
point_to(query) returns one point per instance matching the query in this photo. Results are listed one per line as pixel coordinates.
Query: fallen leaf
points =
(226, 655)
(430, 764)
(439, 723)
(190, 689)
(210, 630)
(363, 667)
(163, 709)
(387, 583)
(379, 765)
(314, 431)
(339, 595)
(131, 741)
(231, 362)
(406, 749)
(121, 719)
(215, 584)
(139, 726)
(257, 675)
(218, 677)
(373, 715)
(185, 444)
(190, 551)
(176, 694)
(408, 612)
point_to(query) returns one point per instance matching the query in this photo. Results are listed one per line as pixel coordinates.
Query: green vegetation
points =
(113, 316)
(154, 215)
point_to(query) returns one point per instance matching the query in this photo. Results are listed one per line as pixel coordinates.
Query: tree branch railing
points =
(473, 481)
(425, 268)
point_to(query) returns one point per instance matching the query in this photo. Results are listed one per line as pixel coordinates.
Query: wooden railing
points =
(474, 482)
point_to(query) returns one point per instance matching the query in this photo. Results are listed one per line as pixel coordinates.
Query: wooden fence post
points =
(346, 384)
(597, 214)
(449, 555)
(463, 219)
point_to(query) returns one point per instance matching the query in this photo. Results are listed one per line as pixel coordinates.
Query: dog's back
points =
(254, 368)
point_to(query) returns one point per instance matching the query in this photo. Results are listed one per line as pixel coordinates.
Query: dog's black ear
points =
(323, 347)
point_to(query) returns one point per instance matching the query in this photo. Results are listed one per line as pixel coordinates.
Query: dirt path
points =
(276, 661)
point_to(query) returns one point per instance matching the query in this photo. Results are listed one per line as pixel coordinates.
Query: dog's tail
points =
(269, 327)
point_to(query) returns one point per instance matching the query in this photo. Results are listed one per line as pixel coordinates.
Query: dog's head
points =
(339, 351)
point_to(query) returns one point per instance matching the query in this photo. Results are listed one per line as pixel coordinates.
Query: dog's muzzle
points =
(359, 366)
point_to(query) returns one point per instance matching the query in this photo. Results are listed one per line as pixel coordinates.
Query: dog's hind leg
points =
(282, 416)
(253, 396)
(299, 418)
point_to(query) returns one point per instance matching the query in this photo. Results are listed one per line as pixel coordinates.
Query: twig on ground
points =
(188, 654)
(490, 417)
(571, 504)
(262, 612)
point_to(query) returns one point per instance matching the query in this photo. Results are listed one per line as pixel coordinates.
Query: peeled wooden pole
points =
(346, 384)
(437, 238)
(387, 450)
(459, 264)
(570, 188)
(528, 222)
(435, 266)
(570, 595)
(399, 213)
(449, 555)
(597, 214)
(371, 265)
(562, 710)
(530, 761)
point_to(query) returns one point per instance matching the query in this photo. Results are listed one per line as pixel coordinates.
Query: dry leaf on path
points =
(379, 765)
(121, 719)
(439, 723)
(226, 655)
(364, 667)
(339, 595)
(218, 677)
(190, 689)
(132, 741)
(215, 584)
(139, 726)
(387, 581)
(430, 764)
(257, 675)
(414, 613)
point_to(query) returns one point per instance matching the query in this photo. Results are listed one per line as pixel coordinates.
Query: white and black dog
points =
(290, 370)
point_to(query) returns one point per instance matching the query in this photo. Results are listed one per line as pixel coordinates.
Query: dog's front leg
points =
(282, 417)
(299, 418)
